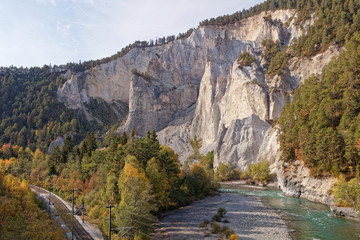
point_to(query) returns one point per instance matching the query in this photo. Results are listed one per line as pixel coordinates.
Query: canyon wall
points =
(196, 87)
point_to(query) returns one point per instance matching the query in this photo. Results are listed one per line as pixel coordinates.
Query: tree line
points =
(138, 176)
(31, 115)
(321, 124)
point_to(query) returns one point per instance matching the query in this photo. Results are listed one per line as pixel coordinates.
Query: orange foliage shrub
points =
(20, 216)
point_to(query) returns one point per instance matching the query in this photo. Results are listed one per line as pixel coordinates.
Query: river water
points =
(309, 220)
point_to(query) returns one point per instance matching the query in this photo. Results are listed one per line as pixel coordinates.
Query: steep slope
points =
(196, 86)
(199, 70)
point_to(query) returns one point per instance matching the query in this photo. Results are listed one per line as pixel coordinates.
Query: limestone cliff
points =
(195, 86)
(175, 68)
(295, 181)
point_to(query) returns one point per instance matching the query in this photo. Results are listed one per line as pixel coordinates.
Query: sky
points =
(38, 32)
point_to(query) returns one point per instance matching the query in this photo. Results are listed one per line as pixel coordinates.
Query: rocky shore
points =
(345, 212)
(247, 216)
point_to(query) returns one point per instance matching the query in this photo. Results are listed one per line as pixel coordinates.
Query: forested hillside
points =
(31, 116)
(139, 177)
(321, 124)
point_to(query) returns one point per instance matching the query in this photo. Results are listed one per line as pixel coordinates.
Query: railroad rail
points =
(65, 213)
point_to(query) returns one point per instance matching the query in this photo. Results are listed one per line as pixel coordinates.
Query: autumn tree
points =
(137, 201)
(159, 181)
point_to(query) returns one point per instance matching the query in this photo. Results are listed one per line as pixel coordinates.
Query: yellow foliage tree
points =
(137, 200)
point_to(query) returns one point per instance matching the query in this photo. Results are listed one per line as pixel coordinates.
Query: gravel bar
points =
(247, 216)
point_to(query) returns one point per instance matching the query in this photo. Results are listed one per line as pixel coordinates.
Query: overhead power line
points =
(153, 220)
(139, 221)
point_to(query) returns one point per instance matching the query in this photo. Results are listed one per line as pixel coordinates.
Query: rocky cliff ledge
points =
(295, 181)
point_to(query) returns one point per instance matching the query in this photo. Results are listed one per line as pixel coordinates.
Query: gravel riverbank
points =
(247, 216)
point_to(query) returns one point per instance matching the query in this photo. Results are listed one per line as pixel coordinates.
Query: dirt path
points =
(247, 216)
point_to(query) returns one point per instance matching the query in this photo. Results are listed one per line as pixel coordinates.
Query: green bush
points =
(216, 218)
(221, 212)
(204, 223)
(215, 228)
(222, 231)
(144, 75)
(245, 59)
(278, 64)
(260, 171)
(226, 172)
(347, 194)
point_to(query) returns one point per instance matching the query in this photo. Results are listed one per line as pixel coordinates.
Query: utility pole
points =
(82, 210)
(50, 197)
(109, 207)
(72, 211)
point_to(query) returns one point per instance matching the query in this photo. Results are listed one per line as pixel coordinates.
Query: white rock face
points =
(301, 69)
(295, 181)
(246, 94)
(70, 92)
(270, 147)
(241, 141)
(196, 87)
(177, 137)
(154, 105)
(180, 65)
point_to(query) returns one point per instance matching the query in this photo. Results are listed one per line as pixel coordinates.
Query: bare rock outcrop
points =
(241, 141)
(295, 181)
(196, 86)
(154, 105)
(345, 212)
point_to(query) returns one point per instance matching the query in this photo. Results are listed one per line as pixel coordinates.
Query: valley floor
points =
(247, 216)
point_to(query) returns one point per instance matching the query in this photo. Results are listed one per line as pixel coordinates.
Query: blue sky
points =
(38, 32)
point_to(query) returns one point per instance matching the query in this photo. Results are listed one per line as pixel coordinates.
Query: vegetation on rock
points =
(321, 124)
(245, 59)
(347, 194)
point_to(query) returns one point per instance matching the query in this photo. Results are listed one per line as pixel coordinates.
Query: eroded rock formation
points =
(195, 86)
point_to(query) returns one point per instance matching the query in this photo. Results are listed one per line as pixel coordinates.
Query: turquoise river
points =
(309, 220)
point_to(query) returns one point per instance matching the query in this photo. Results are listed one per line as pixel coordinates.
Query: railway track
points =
(79, 232)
